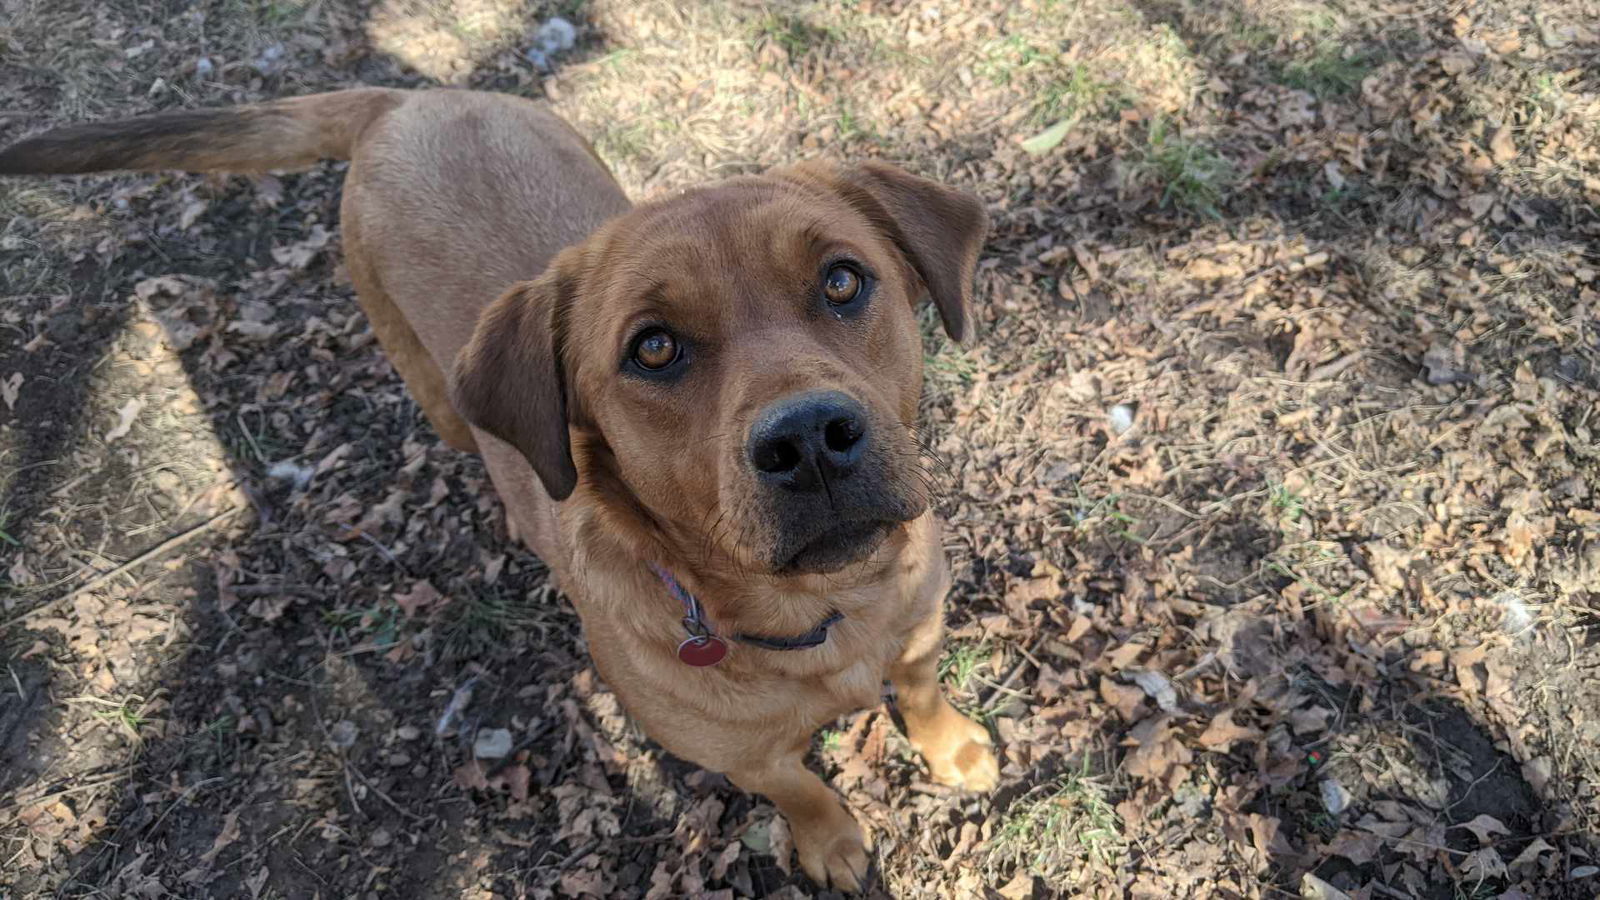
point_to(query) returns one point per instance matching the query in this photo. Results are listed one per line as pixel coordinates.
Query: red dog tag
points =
(702, 651)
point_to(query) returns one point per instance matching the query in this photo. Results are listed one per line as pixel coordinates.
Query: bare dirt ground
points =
(1273, 478)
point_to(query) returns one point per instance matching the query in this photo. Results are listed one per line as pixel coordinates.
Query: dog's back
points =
(452, 196)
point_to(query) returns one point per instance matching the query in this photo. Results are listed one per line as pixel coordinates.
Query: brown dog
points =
(700, 414)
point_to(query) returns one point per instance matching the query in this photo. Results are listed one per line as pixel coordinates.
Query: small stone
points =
(399, 759)
(343, 734)
(1335, 799)
(64, 326)
(492, 743)
(1122, 417)
(556, 35)
(1158, 687)
(408, 732)
(381, 838)
(270, 61)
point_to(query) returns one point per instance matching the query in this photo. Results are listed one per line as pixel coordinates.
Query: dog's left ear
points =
(509, 381)
(939, 229)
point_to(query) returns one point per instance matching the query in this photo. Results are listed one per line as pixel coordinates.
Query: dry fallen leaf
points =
(1124, 698)
(1360, 847)
(1314, 888)
(1159, 687)
(1484, 863)
(1485, 827)
(1018, 888)
(583, 883)
(228, 834)
(422, 596)
(782, 843)
(10, 387)
(1311, 719)
(191, 212)
(1223, 732)
(1531, 853)
(125, 418)
(1502, 146)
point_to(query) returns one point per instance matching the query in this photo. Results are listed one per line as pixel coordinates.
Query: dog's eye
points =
(655, 349)
(842, 285)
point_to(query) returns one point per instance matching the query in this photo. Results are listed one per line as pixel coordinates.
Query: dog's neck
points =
(703, 645)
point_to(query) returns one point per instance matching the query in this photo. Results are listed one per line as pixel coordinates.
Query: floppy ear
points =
(509, 380)
(939, 229)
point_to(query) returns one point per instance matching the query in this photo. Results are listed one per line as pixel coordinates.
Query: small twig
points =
(1204, 663)
(268, 590)
(49, 795)
(381, 795)
(344, 761)
(1004, 687)
(101, 580)
(185, 795)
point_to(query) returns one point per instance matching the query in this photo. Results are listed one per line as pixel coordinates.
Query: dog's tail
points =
(281, 134)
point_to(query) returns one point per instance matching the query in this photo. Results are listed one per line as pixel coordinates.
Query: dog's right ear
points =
(509, 380)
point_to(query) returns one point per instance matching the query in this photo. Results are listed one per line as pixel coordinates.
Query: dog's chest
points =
(855, 686)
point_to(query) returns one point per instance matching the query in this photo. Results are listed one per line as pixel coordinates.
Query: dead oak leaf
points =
(1359, 847)
(1502, 146)
(228, 834)
(1266, 835)
(1158, 752)
(1223, 733)
(421, 597)
(269, 608)
(1124, 698)
(1530, 854)
(514, 778)
(1484, 863)
(191, 212)
(1314, 888)
(1125, 656)
(257, 882)
(299, 255)
(1485, 827)
(782, 843)
(10, 387)
(1019, 888)
(1311, 719)
(584, 883)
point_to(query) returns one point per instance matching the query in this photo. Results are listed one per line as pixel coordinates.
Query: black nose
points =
(803, 441)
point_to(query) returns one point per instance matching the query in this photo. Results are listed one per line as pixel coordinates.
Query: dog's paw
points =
(834, 856)
(962, 755)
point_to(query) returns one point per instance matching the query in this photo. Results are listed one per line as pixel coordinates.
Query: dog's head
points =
(737, 367)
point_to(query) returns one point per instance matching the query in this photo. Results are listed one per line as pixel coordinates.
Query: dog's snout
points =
(801, 441)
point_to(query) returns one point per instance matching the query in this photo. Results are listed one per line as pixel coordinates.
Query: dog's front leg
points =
(832, 847)
(958, 750)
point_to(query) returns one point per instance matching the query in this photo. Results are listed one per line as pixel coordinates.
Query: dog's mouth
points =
(837, 547)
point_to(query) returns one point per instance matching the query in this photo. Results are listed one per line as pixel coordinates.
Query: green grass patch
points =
(961, 662)
(1058, 90)
(1058, 825)
(485, 619)
(1286, 502)
(1191, 175)
(832, 739)
(1328, 71)
(792, 34)
(126, 714)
